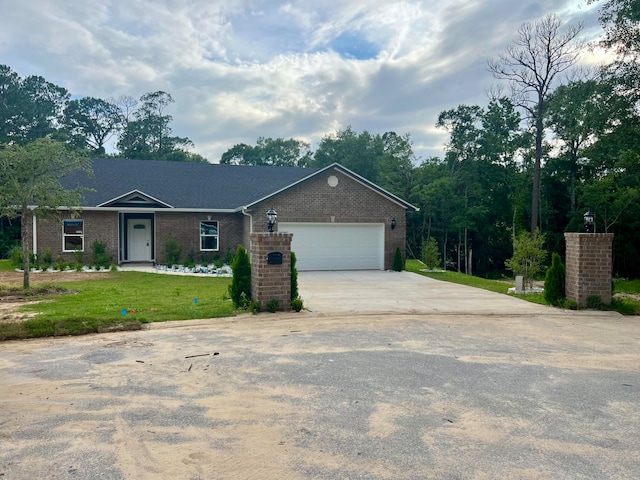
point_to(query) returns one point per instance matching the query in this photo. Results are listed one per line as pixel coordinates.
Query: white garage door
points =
(337, 246)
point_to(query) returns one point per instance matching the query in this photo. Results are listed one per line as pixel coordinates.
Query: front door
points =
(139, 235)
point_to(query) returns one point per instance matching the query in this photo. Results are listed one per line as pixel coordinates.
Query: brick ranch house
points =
(339, 220)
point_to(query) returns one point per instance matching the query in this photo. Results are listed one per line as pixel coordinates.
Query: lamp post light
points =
(272, 219)
(590, 221)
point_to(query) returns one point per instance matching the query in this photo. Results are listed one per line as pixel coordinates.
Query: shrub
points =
(528, 256)
(241, 281)
(47, 259)
(554, 281)
(100, 257)
(255, 307)
(430, 253)
(398, 264)
(294, 277)
(594, 302)
(190, 260)
(78, 256)
(570, 304)
(296, 304)
(15, 255)
(172, 251)
(272, 306)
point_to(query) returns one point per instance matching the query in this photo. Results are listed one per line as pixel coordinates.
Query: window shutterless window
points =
(72, 235)
(208, 236)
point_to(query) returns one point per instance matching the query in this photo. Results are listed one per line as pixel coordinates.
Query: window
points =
(72, 235)
(208, 236)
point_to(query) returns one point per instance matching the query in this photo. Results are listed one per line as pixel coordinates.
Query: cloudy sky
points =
(240, 69)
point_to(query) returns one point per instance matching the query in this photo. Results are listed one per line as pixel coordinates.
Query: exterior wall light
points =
(590, 221)
(272, 219)
(393, 223)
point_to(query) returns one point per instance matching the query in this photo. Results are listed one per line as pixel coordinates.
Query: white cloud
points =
(241, 69)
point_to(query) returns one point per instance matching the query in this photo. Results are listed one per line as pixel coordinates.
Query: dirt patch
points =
(12, 298)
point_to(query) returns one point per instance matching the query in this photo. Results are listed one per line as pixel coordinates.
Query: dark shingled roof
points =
(183, 184)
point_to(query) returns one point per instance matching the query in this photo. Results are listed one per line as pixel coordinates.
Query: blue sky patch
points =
(352, 45)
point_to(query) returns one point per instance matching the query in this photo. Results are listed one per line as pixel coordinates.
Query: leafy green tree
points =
(269, 151)
(30, 107)
(531, 65)
(528, 256)
(91, 122)
(621, 21)
(30, 180)
(148, 135)
(430, 253)
(360, 153)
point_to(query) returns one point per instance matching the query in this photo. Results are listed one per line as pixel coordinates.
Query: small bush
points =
(47, 259)
(594, 302)
(294, 277)
(15, 255)
(255, 307)
(100, 257)
(241, 281)
(430, 253)
(78, 256)
(190, 260)
(570, 304)
(398, 264)
(172, 251)
(272, 306)
(296, 304)
(554, 281)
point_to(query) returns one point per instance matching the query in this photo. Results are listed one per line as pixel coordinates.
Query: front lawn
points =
(627, 305)
(122, 300)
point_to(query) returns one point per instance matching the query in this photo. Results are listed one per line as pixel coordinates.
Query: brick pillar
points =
(588, 266)
(271, 281)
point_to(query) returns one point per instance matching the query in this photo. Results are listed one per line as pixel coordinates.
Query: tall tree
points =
(621, 22)
(269, 151)
(30, 107)
(148, 135)
(30, 182)
(91, 122)
(531, 65)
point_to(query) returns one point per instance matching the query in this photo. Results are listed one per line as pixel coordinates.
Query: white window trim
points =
(217, 237)
(65, 235)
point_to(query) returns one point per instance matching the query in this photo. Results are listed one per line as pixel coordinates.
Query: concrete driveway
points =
(375, 291)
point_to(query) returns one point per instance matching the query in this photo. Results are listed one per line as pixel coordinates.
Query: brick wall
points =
(271, 282)
(588, 266)
(185, 228)
(98, 226)
(347, 202)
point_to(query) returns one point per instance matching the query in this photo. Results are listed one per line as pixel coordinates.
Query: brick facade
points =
(347, 202)
(271, 282)
(588, 266)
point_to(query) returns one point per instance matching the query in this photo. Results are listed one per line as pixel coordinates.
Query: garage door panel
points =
(337, 246)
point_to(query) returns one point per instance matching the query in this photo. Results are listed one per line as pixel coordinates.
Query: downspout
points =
(35, 233)
(244, 212)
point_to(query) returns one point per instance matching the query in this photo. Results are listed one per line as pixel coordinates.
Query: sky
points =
(242, 69)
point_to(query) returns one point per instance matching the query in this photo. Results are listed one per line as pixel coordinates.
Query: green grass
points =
(625, 306)
(98, 305)
(6, 266)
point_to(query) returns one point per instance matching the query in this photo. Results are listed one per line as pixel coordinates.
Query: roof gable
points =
(136, 199)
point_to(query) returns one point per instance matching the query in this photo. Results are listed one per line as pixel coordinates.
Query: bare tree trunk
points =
(535, 195)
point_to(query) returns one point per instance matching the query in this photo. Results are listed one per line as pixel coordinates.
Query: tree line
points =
(32, 108)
